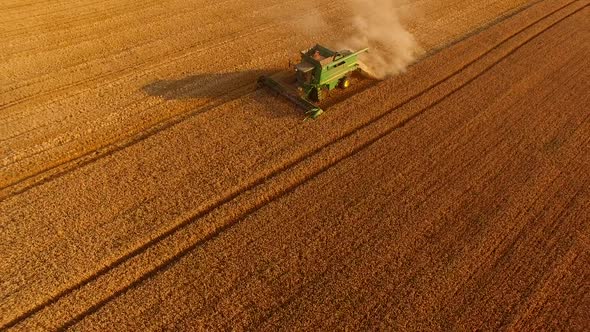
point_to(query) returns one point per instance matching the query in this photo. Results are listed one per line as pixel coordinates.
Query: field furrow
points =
(156, 188)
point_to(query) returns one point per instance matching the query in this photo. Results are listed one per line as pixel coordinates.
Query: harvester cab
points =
(319, 70)
(304, 72)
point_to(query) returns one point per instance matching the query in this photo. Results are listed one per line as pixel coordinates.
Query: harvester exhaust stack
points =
(320, 70)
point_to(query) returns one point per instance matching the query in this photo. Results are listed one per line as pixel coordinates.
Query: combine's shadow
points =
(203, 85)
(219, 88)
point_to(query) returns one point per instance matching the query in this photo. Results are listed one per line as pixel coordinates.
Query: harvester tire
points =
(345, 83)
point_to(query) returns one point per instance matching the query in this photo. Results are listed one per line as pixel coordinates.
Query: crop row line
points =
(55, 25)
(123, 73)
(85, 37)
(279, 193)
(147, 64)
(498, 173)
(57, 170)
(284, 191)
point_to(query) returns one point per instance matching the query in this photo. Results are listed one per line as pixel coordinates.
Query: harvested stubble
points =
(456, 200)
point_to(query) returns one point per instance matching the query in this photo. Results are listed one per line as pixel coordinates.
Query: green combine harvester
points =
(320, 70)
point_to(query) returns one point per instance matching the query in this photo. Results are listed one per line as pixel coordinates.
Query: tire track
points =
(256, 184)
(289, 189)
(245, 86)
(444, 226)
(479, 262)
(45, 151)
(123, 73)
(147, 64)
(64, 167)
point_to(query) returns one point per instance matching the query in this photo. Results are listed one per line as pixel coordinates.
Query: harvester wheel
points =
(345, 83)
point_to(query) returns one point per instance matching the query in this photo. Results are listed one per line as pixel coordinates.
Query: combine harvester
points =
(320, 70)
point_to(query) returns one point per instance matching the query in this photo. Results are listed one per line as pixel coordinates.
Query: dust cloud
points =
(376, 24)
(372, 23)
